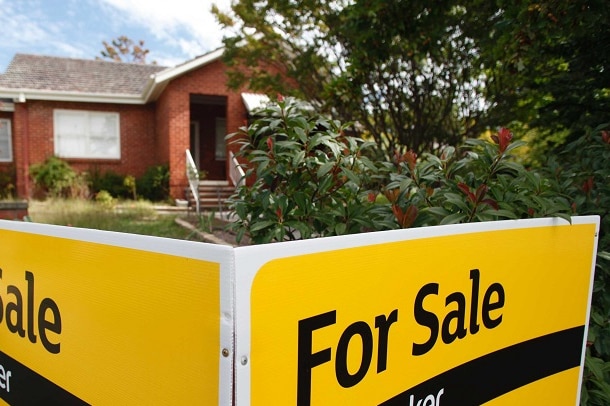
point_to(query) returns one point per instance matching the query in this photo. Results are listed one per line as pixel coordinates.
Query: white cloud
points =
(184, 24)
(174, 30)
(19, 29)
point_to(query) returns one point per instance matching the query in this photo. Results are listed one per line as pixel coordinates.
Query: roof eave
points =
(171, 73)
(21, 95)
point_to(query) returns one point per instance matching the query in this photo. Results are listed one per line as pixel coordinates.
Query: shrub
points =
(56, 178)
(108, 181)
(477, 182)
(105, 199)
(7, 183)
(154, 184)
(131, 186)
(310, 180)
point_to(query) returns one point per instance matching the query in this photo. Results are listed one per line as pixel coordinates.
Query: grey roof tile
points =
(36, 72)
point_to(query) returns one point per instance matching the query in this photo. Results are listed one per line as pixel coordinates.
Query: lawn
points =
(127, 217)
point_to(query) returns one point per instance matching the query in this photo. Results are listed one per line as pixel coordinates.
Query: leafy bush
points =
(108, 181)
(7, 183)
(154, 184)
(311, 180)
(105, 199)
(56, 178)
(478, 182)
(131, 186)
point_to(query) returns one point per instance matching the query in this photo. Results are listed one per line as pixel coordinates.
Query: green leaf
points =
(351, 175)
(514, 145)
(595, 365)
(325, 168)
(260, 225)
(368, 163)
(438, 211)
(340, 228)
(453, 218)
(504, 213)
(298, 158)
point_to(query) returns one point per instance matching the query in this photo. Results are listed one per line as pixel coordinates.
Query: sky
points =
(173, 30)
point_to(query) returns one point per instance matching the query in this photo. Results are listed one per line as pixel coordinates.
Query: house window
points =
(6, 146)
(221, 144)
(87, 134)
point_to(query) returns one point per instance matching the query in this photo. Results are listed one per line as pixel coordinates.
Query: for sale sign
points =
(491, 313)
(487, 313)
(105, 318)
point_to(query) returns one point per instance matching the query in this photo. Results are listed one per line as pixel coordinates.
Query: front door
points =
(208, 130)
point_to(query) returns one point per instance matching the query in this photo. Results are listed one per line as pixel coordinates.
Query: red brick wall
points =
(34, 120)
(173, 123)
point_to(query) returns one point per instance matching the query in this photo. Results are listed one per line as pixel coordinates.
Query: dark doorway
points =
(208, 130)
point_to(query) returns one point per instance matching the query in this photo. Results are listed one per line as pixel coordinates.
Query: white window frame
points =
(86, 150)
(6, 156)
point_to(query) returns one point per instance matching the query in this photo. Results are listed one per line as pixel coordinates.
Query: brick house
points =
(119, 117)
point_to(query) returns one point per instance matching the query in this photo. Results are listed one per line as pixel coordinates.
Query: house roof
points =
(53, 78)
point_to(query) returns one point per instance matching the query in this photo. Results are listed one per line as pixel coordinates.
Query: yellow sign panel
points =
(88, 323)
(496, 317)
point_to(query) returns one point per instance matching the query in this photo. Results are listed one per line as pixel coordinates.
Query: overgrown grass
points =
(127, 217)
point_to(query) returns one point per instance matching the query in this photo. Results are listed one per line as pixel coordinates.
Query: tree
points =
(400, 70)
(546, 65)
(124, 49)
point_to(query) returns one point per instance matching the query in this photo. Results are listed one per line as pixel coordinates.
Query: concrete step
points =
(212, 195)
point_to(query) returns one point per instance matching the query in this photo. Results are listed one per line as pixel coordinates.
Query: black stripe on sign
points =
(488, 377)
(26, 387)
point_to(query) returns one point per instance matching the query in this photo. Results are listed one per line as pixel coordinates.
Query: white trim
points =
(21, 95)
(171, 73)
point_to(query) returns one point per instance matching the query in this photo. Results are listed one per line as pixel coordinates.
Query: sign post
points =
(454, 315)
(90, 317)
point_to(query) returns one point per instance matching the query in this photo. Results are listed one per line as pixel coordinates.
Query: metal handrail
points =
(192, 174)
(236, 173)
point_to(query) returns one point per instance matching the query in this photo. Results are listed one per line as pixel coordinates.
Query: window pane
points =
(83, 134)
(221, 145)
(6, 153)
(103, 136)
(70, 133)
